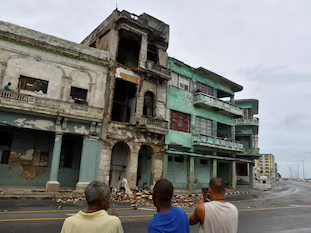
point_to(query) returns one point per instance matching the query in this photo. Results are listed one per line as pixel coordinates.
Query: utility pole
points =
(303, 167)
(298, 169)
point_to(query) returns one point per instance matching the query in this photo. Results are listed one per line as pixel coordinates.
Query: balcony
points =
(213, 142)
(34, 104)
(250, 152)
(202, 99)
(159, 70)
(249, 121)
(154, 125)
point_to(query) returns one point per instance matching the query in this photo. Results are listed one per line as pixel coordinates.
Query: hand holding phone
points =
(206, 196)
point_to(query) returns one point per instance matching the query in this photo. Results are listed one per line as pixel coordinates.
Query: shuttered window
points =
(180, 121)
(203, 126)
(204, 88)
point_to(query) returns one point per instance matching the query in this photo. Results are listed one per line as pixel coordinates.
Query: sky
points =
(264, 45)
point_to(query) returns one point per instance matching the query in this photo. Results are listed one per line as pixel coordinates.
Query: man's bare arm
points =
(198, 215)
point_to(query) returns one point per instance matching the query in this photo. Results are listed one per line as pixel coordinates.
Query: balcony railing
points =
(154, 125)
(248, 121)
(211, 101)
(214, 142)
(251, 150)
(49, 106)
(158, 69)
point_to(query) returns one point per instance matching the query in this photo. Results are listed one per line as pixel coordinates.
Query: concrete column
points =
(104, 162)
(143, 52)
(233, 133)
(131, 169)
(165, 165)
(53, 185)
(113, 43)
(190, 176)
(214, 133)
(215, 92)
(250, 173)
(2, 72)
(88, 162)
(214, 168)
(234, 181)
(232, 99)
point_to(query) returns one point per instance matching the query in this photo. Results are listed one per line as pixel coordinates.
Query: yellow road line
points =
(49, 211)
(148, 215)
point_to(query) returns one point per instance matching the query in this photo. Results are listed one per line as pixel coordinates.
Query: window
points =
(148, 104)
(184, 83)
(79, 95)
(179, 159)
(204, 88)
(203, 126)
(180, 121)
(170, 158)
(247, 113)
(33, 84)
(4, 156)
(203, 161)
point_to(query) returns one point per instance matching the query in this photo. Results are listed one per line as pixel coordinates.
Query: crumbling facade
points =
(135, 123)
(51, 118)
(201, 142)
(246, 131)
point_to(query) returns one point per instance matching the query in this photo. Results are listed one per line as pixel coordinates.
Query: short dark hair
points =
(163, 190)
(9, 84)
(217, 185)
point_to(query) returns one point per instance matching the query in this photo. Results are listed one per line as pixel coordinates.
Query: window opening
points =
(203, 126)
(5, 146)
(204, 88)
(148, 110)
(71, 151)
(170, 158)
(32, 84)
(152, 54)
(124, 101)
(128, 49)
(184, 83)
(180, 121)
(179, 159)
(79, 95)
(203, 161)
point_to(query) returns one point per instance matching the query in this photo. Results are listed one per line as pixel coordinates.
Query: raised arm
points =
(198, 215)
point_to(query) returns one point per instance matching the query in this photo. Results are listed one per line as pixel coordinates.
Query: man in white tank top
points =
(216, 215)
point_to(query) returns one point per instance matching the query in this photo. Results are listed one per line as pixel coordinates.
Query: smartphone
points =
(205, 194)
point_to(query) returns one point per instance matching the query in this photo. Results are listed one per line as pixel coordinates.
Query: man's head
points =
(216, 188)
(97, 195)
(163, 193)
(9, 84)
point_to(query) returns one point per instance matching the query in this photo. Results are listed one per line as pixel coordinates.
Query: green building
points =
(202, 114)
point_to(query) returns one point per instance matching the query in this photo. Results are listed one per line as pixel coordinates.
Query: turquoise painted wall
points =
(177, 173)
(202, 173)
(180, 138)
(223, 171)
(245, 105)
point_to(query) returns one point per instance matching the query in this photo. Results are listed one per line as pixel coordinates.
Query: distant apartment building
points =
(265, 166)
(201, 142)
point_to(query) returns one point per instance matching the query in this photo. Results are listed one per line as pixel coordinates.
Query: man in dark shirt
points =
(169, 219)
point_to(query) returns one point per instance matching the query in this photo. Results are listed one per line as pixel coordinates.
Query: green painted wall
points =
(245, 105)
(223, 171)
(202, 173)
(180, 138)
(177, 172)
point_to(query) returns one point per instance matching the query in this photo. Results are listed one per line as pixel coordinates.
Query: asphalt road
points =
(285, 209)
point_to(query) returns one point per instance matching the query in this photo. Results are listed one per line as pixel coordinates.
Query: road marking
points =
(50, 211)
(148, 215)
(149, 209)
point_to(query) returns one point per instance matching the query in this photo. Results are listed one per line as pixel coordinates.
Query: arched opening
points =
(119, 162)
(148, 110)
(144, 167)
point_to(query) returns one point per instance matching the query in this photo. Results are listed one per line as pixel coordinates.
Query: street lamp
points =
(303, 167)
(298, 169)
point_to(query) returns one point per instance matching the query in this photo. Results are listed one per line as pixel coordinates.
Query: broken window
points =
(124, 101)
(33, 84)
(152, 54)
(180, 121)
(129, 48)
(148, 104)
(203, 126)
(79, 95)
(5, 145)
(184, 83)
(179, 159)
(204, 88)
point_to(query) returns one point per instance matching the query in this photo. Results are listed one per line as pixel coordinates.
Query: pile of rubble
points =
(142, 197)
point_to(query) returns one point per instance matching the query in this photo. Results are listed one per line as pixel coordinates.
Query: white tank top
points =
(220, 217)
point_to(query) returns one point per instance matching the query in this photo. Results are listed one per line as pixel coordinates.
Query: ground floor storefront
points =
(42, 151)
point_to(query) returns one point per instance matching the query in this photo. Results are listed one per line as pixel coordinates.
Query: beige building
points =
(265, 166)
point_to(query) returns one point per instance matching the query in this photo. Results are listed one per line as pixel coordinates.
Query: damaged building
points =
(135, 123)
(51, 120)
(202, 141)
